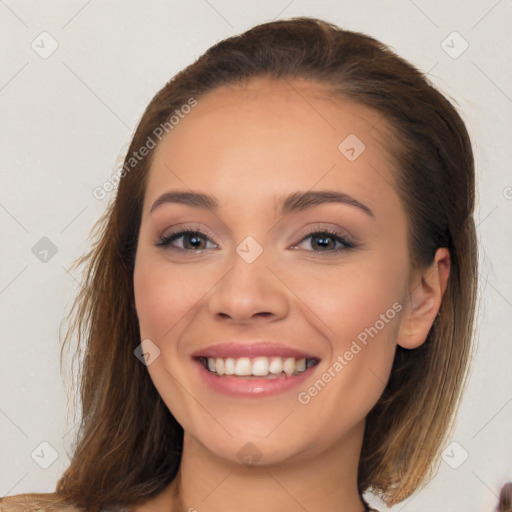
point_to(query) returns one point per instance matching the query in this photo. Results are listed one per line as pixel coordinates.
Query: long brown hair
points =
(128, 446)
(505, 498)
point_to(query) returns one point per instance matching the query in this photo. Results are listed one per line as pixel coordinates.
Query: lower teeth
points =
(270, 376)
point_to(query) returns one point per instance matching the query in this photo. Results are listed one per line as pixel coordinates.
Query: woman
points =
(278, 311)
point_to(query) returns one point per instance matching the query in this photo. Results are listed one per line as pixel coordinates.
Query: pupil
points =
(324, 241)
(194, 241)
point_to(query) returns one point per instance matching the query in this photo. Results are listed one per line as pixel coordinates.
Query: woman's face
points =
(266, 271)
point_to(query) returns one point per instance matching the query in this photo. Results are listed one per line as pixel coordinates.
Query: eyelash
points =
(165, 241)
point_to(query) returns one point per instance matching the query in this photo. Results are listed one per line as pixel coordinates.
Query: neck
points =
(313, 481)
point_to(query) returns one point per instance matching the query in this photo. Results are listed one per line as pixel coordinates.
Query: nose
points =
(249, 292)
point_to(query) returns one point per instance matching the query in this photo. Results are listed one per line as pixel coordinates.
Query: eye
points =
(191, 237)
(196, 240)
(326, 241)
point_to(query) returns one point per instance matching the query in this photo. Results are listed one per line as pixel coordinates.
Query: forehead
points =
(269, 137)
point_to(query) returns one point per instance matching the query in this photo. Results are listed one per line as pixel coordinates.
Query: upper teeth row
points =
(259, 366)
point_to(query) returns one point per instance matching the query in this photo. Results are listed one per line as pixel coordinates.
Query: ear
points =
(424, 298)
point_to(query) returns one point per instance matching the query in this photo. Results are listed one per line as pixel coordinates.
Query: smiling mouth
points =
(266, 367)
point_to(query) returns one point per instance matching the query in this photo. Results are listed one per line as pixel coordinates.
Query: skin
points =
(248, 146)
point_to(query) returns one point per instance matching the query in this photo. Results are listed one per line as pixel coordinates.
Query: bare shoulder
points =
(35, 502)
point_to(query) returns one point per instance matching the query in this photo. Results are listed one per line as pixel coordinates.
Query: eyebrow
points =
(294, 202)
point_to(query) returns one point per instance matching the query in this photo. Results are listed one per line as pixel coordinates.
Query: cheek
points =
(163, 296)
(360, 307)
(349, 299)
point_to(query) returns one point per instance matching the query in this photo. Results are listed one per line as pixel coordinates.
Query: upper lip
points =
(252, 349)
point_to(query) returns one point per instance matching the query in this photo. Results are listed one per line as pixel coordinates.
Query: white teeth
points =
(229, 366)
(289, 366)
(262, 366)
(219, 365)
(276, 365)
(243, 366)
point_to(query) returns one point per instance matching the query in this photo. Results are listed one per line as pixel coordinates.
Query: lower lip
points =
(251, 387)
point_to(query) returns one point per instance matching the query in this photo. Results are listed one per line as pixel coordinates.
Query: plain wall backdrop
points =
(75, 78)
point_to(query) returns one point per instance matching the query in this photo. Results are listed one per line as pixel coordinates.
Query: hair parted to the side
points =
(129, 445)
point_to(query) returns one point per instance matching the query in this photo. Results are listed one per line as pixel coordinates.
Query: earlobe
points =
(424, 300)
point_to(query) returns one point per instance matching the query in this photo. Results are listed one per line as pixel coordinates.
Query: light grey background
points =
(66, 120)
